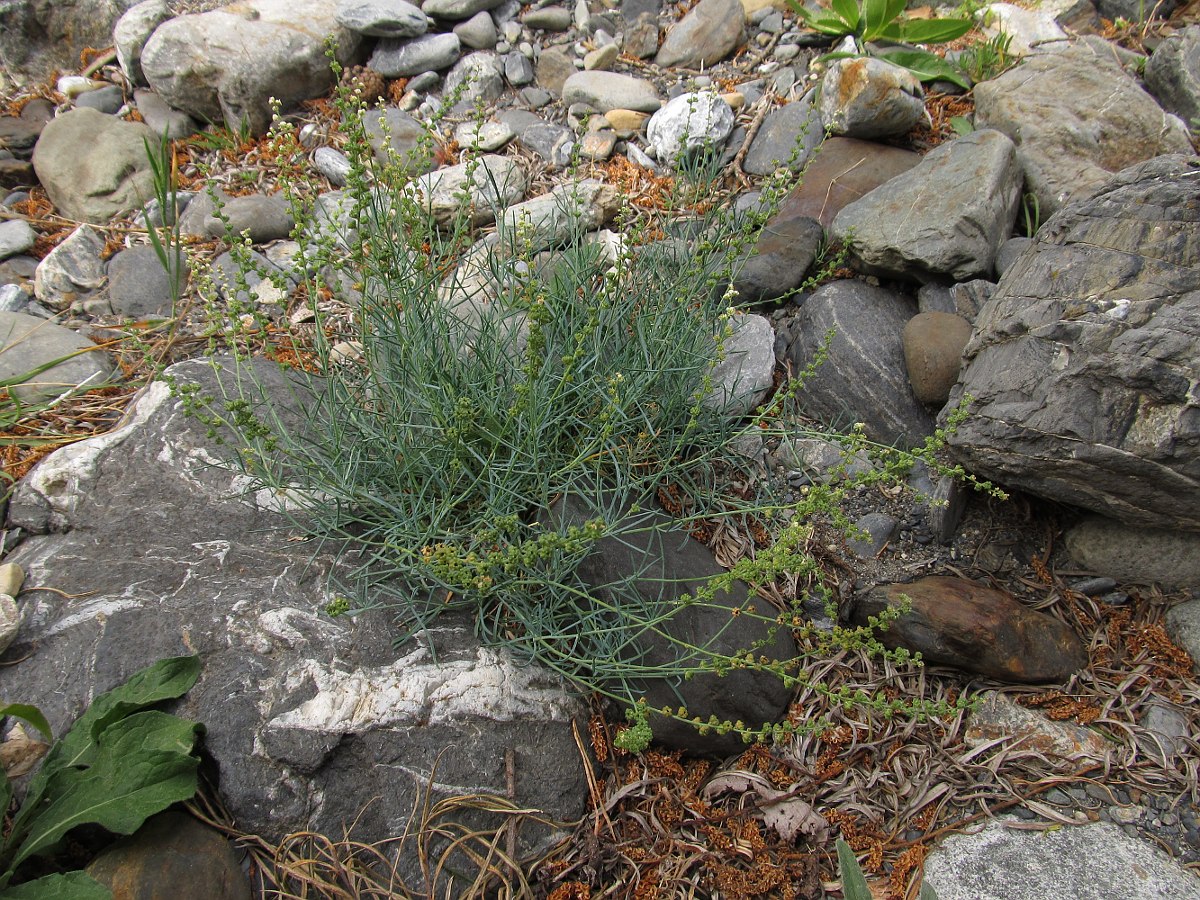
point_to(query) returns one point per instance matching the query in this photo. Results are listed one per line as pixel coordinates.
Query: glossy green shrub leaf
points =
(71, 886)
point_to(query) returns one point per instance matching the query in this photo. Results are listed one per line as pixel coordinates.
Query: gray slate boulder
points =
(1093, 862)
(660, 562)
(863, 379)
(225, 65)
(112, 177)
(27, 343)
(1083, 365)
(705, 36)
(313, 722)
(1076, 117)
(1173, 73)
(945, 218)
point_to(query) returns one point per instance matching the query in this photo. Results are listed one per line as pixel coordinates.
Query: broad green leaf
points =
(933, 31)
(847, 11)
(71, 886)
(961, 125)
(30, 714)
(926, 66)
(140, 767)
(854, 885)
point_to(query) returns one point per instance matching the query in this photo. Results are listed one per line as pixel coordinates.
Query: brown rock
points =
(1000, 717)
(933, 346)
(842, 171)
(955, 622)
(171, 857)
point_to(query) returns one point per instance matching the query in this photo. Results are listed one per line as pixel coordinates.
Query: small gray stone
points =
(71, 270)
(16, 236)
(138, 285)
(333, 164)
(518, 70)
(28, 343)
(396, 59)
(878, 530)
(108, 99)
(162, 119)
(477, 78)
(548, 18)
(457, 9)
(705, 36)
(381, 18)
(477, 32)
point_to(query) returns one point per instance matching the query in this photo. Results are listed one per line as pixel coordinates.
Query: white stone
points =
(689, 122)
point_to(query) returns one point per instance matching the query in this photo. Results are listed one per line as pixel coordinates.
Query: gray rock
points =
(1173, 73)
(474, 191)
(381, 18)
(1131, 553)
(1076, 117)
(786, 249)
(742, 380)
(944, 218)
(703, 37)
(478, 32)
(863, 378)
(312, 722)
(398, 138)
(933, 345)
(138, 285)
(39, 35)
(554, 68)
(16, 236)
(663, 562)
(457, 9)
(867, 97)
(1091, 862)
(844, 171)
(71, 270)
(481, 77)
(111, 178)
(518, 69)
(485, 136)
(569, 209)
(131, 32)
(108, 99)
(1182, 622)
(690, 122)
(430, 52)
(1008, 253)
(1083, 364)
(27, 343)
(553, 143)
(548, 18)
(225, 65)
(605, 91)
(878, 530)
(264, 217)
(789, 134)
(161, 118)
(333, 164)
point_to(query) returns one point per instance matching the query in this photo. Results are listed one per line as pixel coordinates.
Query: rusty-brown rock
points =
(955, 622)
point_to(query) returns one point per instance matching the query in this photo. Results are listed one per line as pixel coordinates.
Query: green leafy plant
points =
(482, 378)
(871, 21)
(121, 762)
(854, 883)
